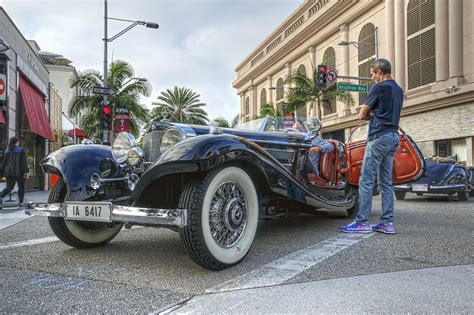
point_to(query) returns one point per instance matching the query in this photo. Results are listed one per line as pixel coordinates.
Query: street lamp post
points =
(357, 45)
(107, 40)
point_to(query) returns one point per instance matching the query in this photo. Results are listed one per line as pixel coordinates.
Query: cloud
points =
(198, 45)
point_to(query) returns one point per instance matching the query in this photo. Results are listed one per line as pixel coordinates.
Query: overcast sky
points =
(198, 45)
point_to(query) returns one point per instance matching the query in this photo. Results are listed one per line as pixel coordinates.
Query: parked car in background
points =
(209, 184)
(444, 175)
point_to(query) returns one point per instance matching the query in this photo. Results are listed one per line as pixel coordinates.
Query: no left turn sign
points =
(3, 87)
(332, 75)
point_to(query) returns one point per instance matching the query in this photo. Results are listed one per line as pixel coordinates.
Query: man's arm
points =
(365, 112)
(326, 146)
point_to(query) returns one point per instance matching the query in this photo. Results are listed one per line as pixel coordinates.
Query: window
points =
(279, 89)
(329, 59)
(366, 55)
(247, 108)
(302, 70)
(263, 97)
(443, 147)
(421, 43)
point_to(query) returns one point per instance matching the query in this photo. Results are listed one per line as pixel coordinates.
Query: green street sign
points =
(349, 87)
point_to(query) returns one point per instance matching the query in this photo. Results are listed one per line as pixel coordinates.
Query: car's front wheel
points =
(400, 195)
(222, 217)
(79, 234)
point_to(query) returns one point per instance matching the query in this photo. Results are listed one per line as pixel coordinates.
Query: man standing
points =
(382, 107)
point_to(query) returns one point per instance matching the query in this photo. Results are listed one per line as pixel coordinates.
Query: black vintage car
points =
(209, 184)
(443, 176)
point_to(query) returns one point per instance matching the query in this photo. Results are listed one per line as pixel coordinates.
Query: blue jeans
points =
(378, 158)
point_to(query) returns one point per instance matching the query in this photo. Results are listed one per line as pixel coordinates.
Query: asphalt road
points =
(297, 264)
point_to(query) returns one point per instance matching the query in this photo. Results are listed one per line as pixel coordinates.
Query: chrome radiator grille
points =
(151, 145)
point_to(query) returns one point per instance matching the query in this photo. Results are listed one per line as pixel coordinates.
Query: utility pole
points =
(105, 135)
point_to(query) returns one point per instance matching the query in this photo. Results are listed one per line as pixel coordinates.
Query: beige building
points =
(429, 42)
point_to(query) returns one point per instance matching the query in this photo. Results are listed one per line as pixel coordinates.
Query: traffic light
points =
(322, 76)
(105, 116)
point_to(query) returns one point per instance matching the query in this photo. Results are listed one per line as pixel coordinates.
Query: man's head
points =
(380, 69)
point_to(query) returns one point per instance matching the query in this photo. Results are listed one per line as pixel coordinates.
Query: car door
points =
(408, 162)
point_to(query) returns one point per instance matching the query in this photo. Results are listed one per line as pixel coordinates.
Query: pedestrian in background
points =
(15, 168)
(382, 107)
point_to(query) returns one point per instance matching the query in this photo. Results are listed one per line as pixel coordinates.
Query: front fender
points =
(198, 154)
(75, 164)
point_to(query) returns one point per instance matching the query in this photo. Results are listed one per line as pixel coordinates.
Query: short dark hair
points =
(382, 65)
(13, 141)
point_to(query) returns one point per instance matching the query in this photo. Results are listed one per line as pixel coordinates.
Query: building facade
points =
(61, 73)
(429, 42)
(25, 107)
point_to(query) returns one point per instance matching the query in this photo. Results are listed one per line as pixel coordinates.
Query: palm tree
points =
(267, 110)
(224, 123)
(180, 105)
(127, 97)
(307, 90)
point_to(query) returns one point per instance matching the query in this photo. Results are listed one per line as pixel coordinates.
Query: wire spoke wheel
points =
(228, 214)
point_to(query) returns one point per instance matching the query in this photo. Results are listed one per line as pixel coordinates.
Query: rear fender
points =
(75, 164)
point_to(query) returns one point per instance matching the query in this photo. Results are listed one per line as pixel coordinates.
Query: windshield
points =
(273, 124)
(254, 125)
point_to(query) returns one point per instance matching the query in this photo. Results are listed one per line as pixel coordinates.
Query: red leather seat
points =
(327, 165)
(327, 169)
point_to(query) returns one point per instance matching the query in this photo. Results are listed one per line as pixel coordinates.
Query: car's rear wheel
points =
(352, 212)
(79, 234)
(222, 217)
(400, 195)
(462, 195)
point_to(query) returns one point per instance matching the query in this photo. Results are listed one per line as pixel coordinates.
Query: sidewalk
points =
(13, 215)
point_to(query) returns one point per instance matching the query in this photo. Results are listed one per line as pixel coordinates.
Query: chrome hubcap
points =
(228, 214)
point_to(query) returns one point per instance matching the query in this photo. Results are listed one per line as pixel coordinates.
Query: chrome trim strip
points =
(286, 144)
(448, 186)
(124, 214)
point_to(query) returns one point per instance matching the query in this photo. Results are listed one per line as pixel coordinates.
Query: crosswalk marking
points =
(287, 267)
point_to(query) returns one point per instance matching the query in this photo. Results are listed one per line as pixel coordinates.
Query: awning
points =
(35, 110)
(2, 119)
(79, 133)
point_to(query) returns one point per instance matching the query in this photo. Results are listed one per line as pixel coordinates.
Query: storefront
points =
(24, 108)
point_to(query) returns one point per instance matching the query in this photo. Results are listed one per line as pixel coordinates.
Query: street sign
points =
(349, 87)
(103, 90)
(3, 87)
(332, 75)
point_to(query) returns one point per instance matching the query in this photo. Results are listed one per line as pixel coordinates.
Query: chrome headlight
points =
(135, 156)
(170, 137)
(122, 145)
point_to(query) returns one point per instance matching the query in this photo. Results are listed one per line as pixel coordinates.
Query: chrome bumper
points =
(123, 214)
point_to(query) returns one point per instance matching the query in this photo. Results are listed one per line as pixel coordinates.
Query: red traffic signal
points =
(321, 77)
(105, 116)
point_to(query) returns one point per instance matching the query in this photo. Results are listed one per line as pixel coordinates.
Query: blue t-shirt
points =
(386, 101)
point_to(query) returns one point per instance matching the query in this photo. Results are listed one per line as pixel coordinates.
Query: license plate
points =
(419, 187)
(89, 211)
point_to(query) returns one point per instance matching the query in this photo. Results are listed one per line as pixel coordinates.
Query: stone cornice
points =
(280, 29)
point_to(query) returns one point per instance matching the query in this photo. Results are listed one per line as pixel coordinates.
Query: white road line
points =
(42, 241)
(285, 268)
(30, 242)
